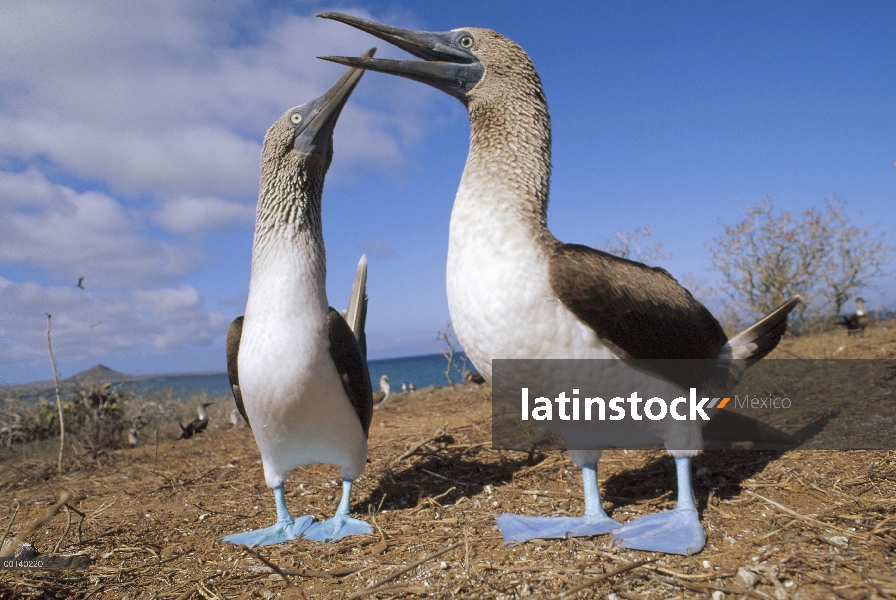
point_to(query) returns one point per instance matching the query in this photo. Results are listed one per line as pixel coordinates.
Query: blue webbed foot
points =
(341, 525)
(281, 531)
(337, 528)
(675, 531)
(519, 528)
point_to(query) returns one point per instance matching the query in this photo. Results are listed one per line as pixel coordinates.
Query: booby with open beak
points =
(298, 373)
(516, 292)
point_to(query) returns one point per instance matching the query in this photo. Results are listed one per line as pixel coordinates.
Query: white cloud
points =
(186, 215)
(131, 130)
(88, 324)
(71, 234)
(167, 98)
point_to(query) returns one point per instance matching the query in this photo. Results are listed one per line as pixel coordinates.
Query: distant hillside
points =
(94, 375)
(97, 374)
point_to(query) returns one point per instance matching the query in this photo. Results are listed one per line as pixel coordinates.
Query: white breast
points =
(293, 395)
(499, 292)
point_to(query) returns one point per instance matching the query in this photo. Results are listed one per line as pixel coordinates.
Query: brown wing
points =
(234, 332)
(638, 311)
(352, 367)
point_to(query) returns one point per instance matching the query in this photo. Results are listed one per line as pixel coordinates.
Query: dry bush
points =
(633, 246)
(98, 418)
(820, 254)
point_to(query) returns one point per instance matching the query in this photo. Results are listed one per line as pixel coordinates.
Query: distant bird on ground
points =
(299, 373)
(468, 377)
(80, 283)
(133, 436)
(380, 397)
(404, 387)
(236, 419)
(411, 387)
(516, 292)
(198, 424)
(858, 321)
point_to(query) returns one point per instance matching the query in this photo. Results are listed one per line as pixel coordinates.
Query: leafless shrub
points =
(771, 255)
(447, 337)
(633, 246)
(855, 257)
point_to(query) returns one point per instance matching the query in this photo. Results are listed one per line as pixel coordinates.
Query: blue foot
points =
(517, 528)
(675, 531)
(281, 531)
(337, 528)
(341, 525)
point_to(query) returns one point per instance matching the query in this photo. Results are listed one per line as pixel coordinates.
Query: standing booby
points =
(298, 373)
(355, 315)
(380, 397)
(516, 292)
(404, 387)
(236, 419)
(858, 321)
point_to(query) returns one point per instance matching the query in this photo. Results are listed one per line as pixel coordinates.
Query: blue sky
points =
(131, 139)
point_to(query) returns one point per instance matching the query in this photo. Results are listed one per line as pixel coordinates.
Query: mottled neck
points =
(288, 217)
(509, 162)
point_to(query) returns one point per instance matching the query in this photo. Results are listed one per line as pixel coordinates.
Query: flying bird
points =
(297, 370)
(516, 292)
(80, 283)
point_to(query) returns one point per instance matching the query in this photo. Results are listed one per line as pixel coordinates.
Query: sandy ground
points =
(799, 524)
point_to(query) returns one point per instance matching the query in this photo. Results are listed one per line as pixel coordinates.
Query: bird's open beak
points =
(315, 137)
(448, 67)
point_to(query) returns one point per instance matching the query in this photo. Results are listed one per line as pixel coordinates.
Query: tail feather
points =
(356, 314)
(762, 337)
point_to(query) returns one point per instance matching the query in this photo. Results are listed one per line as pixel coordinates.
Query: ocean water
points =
(422, 371)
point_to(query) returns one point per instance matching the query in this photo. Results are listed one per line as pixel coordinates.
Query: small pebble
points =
(839, 540)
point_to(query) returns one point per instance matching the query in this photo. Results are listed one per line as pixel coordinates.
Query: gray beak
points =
(317, 134)
(447, 67)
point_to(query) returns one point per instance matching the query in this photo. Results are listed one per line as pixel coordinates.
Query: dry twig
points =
(591, 582)
(58, 401)
(276, 569)
(64, 499)
(441, 432)
(376, 587)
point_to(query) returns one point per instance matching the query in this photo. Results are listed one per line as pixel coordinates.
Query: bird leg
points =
(341, 525)
(286, 528)
(676, 531)
(519, 528)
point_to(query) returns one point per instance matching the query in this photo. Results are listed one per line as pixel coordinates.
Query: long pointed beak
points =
(324, 112)
(447, 66)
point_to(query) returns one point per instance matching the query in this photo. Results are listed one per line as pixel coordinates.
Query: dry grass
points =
(801, 524)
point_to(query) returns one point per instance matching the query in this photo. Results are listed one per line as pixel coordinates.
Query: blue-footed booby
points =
(858, 321)
(516, 292)
(297, 370)
(197, 425)
(380, 397)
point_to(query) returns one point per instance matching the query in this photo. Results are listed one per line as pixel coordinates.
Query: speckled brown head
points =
(472, 64)
(297, 152)
(497, 82)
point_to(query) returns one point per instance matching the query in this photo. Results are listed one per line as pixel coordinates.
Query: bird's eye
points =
(295, 118)
(466, 42)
